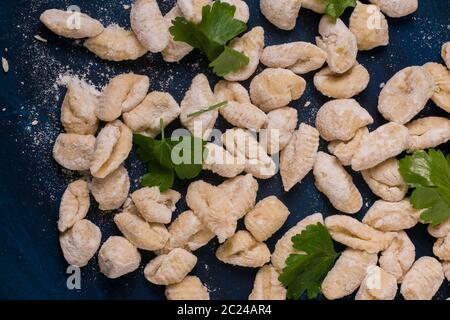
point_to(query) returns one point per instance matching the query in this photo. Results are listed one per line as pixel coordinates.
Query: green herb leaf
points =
(211, 35)
(304, 272)
(429, 174)
(210, 108)
(335, 8)
(158, 176)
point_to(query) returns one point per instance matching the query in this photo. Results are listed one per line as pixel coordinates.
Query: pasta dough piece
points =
(242, 11)
(332, 180)
(278, 129)
(357, 235)
(314, 5)
(347, 274)
(191, 288)
(175, 50)
(266, 218)
(405, 94)
(244, 115)
(423, 279)
(170, 268)
(284, 246)
(446, 267)
(385, 142)
(281, 13)
(441, 77)
(377, 285)
(267, 286)
(441, 230)
(445, 53)
(192, 9)
(222, 162)
(345, 150)
(155, 206)
(385, 180)
(396, 8)
(74, 204)
(111, 191)
(428, 132)
(392, 216)
(341, 119)
(242, 191)
(231, 91)
(298, 157)
(398, 258)
(441, 248)
(243, 250)
(74, 151)
(117, 257)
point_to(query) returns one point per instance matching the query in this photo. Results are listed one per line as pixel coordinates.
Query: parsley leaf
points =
(165, 158)
(304, 272)
(213, 107)
(211, 35)
(335, 8)
(429, 174)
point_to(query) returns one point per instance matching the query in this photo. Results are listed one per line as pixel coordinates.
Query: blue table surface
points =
(31, 183)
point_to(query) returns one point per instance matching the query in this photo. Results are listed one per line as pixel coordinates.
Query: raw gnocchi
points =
(117, 257)
(146, 117)
(344, 85)
(348, 273)
(281, 13)
(397, 8)
(231, 91)
(278, 129)
(441, 230)
(149, 26)
(191, 288)
(116, 44)
(392, 216)
(74, 204)
(267, 286)
(111, 191)
(299, 57)
(192, 9)
(244, 115)
(345, 150)
(242, 191)
(242, 10)
(74, 151)
(445, 53)
(377, 285)
(70, 24)
(243, 250)
(441, 78)
(385, 142)
(175, 50)
(251, 44)
(266, 218)
(341, 119)
(298, 157)
(423, 280)
(369, 26)
(357, 235)
(155, 206)
(339, 43)
(122, 94)
(428, 132)
(314, 5)
(80, 243)
(221, 162)
(170, 268)
(398, 258)
(333, 180)
(441, 248)
(276, 88)
(113, 144)
(385, 180)
(405, 94)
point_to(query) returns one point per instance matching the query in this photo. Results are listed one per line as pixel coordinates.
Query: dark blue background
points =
(31, 183)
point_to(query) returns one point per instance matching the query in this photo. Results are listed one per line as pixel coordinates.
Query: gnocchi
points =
(377, 285)
(445, 53)
(396, 8)
(345, 150)
(266, 218)
(441, 78)
(191, 288)
(149, 26)
(242, 191)
(244, 115)
(441, 248)
(69, 24)
(344, 85)
(332, 180)
(398, 258)
(428, 132)
(116, 44)
(446, 267)
(298, 157)
(251, 44)
(170, 268)
(423, 280)
(341, 119)
(278, 129)
(385, 180)
(80, 243)
(440, 230)
(299, 57)
(146, 117)
(113, 144)
(175, 50)
(122, 94)
(282, 13)
(357, 235)
(405, 94)
(339, 43)
(243, 250)
(392, 216)
(242, 10)
(314, 5)
(111, 191)
(231, 91)
(221, 162)
(74, 204)
(348, 273)
(276, 88)
(192, 9)
(267, 286)
(385, 142)
(117, 257)
(74, 151)
(155, 206)
(284, 246)
(369, 26)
